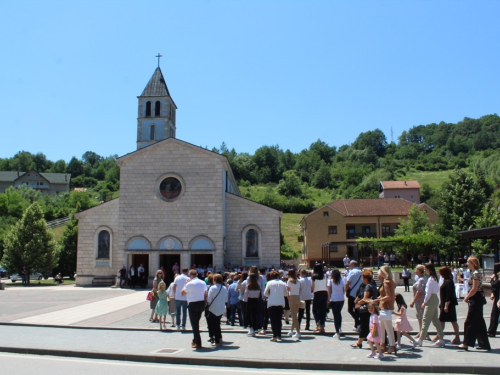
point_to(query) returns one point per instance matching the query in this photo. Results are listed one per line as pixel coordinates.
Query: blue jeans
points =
(236, 307)
(178, 305)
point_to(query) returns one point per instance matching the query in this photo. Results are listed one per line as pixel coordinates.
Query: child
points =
(161, 308)
(374, 335)
(403, 326)
(171, 301)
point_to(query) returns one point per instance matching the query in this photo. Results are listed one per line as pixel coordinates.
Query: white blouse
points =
(432, 287)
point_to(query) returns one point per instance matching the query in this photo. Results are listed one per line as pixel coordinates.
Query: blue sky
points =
(247, 73)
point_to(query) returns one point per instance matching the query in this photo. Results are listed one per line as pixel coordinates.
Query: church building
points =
(179, 203)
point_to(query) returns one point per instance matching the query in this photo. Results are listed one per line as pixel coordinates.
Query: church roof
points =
(156, 85)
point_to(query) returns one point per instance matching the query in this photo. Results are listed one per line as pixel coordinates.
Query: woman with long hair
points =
(152, 304)
(418, 296)
(475, 326)
(243, 301)
(386, 299)
(447, 309)
(252, 291)
(293, 288)
(431, 307)
(336, 296)
(495, 293)
(320, 298)
(366, 292)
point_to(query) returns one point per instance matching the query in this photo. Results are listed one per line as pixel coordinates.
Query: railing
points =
(353, 236)
(57, 222)
(387, 234)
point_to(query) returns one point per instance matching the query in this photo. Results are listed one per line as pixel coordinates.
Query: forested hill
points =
(294, 182)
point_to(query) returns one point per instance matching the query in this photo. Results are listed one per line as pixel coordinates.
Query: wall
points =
(240, 214)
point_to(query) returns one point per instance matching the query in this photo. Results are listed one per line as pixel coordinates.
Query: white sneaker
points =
(297, 335)
(251, 332)
(337, 336)
(417, 343)
(398, 347)
(380, 356)
(178, 328)
(439, 344)
(290, 334)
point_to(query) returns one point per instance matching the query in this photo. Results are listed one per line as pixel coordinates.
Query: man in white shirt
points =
(275, 293)
(140, 276)
(346, 262)
(351, 286)
(195, 292)
(405, 274)
(180, 299)
(306, 296)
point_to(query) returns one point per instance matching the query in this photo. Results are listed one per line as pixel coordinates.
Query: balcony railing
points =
(388, 234)
(353, 236)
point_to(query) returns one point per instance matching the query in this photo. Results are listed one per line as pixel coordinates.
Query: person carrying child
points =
(374, 335)
(161, 308)
(402, 326)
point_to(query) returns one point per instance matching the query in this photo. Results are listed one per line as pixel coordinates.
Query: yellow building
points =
(330, 232)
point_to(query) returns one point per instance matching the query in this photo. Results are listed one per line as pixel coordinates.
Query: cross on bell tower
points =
(156, 118)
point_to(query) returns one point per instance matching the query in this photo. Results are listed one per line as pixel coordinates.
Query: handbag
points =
(207, 312)
(363, 309)
(150, 296)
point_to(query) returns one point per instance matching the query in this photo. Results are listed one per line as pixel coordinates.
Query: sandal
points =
(455, 341)
(357, 345)
(463, 347)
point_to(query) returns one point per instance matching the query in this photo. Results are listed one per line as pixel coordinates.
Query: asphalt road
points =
(21, 364)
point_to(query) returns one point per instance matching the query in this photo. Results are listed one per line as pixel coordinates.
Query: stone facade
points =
(208, 211)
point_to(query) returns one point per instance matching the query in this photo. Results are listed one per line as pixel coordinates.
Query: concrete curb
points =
(241, 331)
(379, 366)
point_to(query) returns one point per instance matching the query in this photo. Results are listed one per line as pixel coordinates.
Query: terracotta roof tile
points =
(372, 207)
(400, 184)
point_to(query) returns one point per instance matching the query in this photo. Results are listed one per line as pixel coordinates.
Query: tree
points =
(374, 140)
(290, 185)
(75, 167)
(462, 201)
(489, 217)
(68, 244)
(30, 243)
(91, 158)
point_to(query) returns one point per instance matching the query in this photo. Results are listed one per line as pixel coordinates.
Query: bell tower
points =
(157, 110)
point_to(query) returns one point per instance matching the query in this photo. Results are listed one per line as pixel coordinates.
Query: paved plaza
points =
(114, 324)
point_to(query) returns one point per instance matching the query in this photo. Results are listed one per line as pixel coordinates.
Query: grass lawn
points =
(434, 179)
(36, 283)
(291, 230)
(58, 232)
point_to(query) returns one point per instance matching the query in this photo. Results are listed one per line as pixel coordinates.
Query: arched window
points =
(252, 244)
(103, 241)
(157, 108)
(152, 133)
(148, 109)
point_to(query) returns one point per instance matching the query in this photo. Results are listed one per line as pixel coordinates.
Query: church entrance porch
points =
(136, 260)
(203, 260)
(167, 261)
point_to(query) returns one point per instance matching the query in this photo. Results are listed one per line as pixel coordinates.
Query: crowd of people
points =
(259, 300)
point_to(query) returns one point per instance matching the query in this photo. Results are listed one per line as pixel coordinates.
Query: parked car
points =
(34, 276)
(3, 272)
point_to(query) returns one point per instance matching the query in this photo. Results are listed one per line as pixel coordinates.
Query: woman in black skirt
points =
(474, 326)
(495, 293)
(448, 303)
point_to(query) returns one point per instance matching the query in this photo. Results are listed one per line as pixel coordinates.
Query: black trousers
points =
(492, 330)
(244, 317)
(252, 312)
(196, 310)
(275, 313)
(364, 323)
(265, 317)
(319, 307)
(214, 326)
(474, 326)
(352, 311)
(308, 313)
(406, 281)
